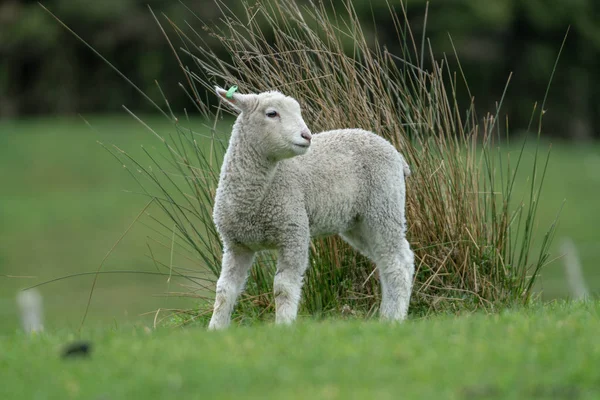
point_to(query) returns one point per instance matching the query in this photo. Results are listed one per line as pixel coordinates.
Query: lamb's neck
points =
(247, 174)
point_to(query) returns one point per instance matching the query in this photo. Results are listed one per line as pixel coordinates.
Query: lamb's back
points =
(339, 174)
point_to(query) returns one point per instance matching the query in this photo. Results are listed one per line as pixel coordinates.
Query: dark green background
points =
(45, 70)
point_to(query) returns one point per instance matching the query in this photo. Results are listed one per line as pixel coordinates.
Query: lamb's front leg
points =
(236, 263)
(287, 287)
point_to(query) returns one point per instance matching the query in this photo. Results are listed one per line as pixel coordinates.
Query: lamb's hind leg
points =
(395, 263)
(236, 263)
(396, 270)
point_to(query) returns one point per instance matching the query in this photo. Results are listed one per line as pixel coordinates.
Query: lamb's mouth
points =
(304, 146)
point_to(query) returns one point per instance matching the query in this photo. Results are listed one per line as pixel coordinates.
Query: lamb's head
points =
(272, 121)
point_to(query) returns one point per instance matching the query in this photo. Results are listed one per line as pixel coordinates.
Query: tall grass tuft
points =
(472, 239)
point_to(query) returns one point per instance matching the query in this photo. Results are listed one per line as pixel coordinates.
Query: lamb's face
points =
(272, 122)
(280, 127)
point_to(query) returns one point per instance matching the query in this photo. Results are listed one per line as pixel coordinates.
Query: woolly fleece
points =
(280, 185)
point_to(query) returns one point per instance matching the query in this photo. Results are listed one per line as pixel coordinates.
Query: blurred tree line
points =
(44, 69)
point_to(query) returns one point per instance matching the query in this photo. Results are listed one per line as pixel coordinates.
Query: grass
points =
(548, 352)
(472, 239)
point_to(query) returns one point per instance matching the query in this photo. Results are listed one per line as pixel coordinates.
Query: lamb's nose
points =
(306, 134)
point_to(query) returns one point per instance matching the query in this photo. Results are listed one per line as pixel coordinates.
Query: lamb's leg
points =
(396, 270)
(287, 286)
(236, 263)
(395, 263)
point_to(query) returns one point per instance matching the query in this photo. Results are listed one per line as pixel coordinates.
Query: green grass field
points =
(63, 205)
(573, 183)
(549, 352)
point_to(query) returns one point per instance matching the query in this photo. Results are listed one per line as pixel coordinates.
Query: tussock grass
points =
(472, 239)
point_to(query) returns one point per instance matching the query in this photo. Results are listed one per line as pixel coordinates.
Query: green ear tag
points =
(231, 91)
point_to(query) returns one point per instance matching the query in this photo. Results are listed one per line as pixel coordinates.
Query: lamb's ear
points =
(239, 102)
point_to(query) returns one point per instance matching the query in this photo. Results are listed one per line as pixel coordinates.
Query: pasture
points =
(64, 204)
(74, 222)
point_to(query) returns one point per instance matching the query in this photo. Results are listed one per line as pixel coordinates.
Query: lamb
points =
(280, 185)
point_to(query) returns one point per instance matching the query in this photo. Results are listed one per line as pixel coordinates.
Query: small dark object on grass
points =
(77, 349)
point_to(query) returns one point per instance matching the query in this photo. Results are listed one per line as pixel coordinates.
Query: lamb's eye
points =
(272, 114)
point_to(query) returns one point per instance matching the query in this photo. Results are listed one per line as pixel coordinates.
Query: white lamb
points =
(280, 185)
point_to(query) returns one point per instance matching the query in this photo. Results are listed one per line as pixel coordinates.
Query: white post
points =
(30, 307)
(573, 270)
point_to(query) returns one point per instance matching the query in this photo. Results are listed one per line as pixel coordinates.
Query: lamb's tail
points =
(405, 168)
